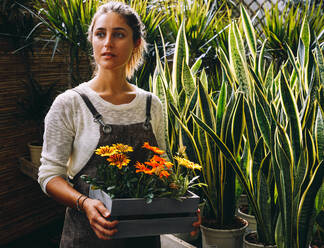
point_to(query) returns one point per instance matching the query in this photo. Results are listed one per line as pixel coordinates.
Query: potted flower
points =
(148, 198)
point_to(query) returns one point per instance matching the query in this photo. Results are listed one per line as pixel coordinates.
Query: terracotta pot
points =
(247, 244)
(222, 238)
(252, 226)
(35, 153)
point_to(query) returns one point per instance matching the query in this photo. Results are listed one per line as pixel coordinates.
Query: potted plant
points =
(149, 197)
(183, 94)
(292, 134)
(34, 106)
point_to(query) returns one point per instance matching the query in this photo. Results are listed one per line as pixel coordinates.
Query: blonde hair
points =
(134, 22)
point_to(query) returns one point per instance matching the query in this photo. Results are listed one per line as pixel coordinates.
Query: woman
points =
(105, 110)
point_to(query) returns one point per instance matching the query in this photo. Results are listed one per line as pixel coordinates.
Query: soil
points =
(235, 224)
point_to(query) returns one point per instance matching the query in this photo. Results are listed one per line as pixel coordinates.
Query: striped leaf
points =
(236, 167)
(188, 81)
(305, 39)
(261, 63)
(249, 33)
(319, 135)
(290, 106)
(238, 125)
(221, 104)
(263, 122)
(237, 59)
(181, 56)
(306, 216)
(320, 62)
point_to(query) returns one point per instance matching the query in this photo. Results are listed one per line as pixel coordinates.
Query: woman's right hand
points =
(96, 213)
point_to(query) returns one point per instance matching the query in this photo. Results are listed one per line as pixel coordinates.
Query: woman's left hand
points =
(196, 224)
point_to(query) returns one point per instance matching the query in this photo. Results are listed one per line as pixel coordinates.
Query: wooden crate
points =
(162, 216)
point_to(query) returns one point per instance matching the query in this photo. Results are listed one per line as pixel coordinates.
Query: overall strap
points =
(148, 112)
(97, 117)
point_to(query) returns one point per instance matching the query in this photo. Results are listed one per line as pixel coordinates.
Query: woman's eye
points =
(100, 34)
(119, 35)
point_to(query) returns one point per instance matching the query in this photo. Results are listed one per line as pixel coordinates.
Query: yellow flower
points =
(119, 160)
(123, 148)
(105, 151)
(187, 163)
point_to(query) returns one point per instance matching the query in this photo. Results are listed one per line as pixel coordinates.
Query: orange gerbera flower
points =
(150, 171)
(123, 148)
(164, 174)
(168, 165)
(153, 164)
(187, 163)
(158, 159)
(105, 151)
(153, 148)
(119, 160)
(140, 167)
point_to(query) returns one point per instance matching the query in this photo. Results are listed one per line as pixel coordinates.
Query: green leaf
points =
(188, 81)
(320, 62)
(238, 125)
(181, 56)
(263, 122)
(319, 135)
(261, 63)
(249, 32)
(196, 66)
(221, 104)
(231, 159)
(306, 213)
(305, 38)
(237, 59)
(291, 110)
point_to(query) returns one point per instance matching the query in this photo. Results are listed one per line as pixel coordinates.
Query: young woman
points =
(105, 110)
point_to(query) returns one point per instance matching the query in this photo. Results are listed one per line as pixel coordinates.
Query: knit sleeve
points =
(158, 123)
(58, 139)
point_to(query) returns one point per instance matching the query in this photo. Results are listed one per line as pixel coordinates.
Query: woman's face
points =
(112, 42)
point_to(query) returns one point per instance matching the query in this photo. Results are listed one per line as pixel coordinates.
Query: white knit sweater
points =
(71, 135)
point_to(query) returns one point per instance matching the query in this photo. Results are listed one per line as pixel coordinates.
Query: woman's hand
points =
(96, 213)
(196, 224)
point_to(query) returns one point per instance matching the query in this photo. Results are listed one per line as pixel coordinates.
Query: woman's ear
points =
(138, 43)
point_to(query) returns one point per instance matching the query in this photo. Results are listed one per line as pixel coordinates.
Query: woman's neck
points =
(110, 83)
(113, 88)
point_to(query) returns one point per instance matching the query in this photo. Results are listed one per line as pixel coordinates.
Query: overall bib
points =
(77, 232)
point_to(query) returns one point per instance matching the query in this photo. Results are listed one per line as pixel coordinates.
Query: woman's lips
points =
(108, 55)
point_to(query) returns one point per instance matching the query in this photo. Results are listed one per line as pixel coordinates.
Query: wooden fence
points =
(23, 206)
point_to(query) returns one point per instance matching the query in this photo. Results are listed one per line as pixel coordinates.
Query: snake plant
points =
(284, 131)
(184, 93)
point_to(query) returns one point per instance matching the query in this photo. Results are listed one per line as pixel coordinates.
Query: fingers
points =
(96, 211)
(103, 233)
(196, 224)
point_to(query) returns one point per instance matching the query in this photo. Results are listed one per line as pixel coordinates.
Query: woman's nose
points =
(108, 41)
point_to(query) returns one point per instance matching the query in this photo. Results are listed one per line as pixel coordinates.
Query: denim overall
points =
(77, 232)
